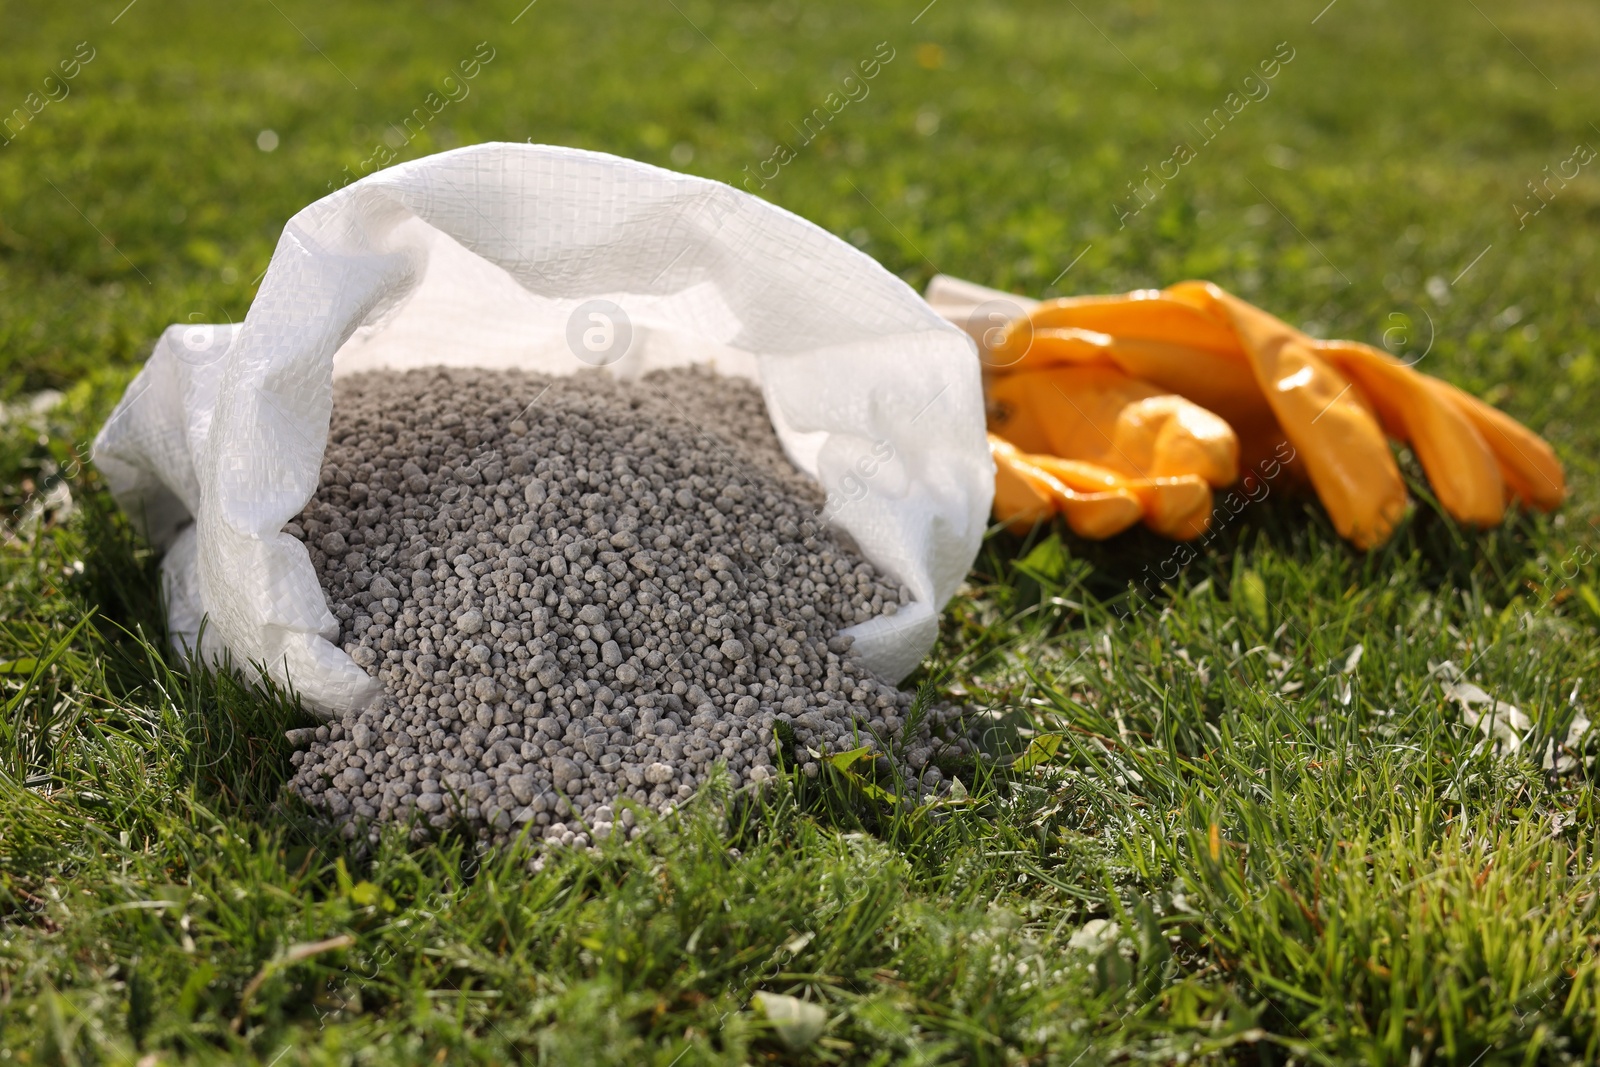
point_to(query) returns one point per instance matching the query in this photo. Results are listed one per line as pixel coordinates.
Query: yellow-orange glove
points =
(1334, 401)
(1124, 438)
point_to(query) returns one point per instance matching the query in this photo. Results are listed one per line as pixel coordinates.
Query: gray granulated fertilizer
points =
(576, 590)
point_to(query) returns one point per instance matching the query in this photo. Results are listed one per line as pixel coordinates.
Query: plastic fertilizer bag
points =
(549, 260)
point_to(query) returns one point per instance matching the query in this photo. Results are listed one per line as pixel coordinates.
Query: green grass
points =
(1307, 858)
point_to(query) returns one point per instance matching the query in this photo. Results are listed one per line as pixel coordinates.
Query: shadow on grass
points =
(1138, 565)
(227, 735)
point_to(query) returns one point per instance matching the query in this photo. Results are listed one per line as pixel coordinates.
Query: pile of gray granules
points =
(575, 590)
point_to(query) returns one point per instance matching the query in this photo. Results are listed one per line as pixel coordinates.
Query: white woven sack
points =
(485, 256)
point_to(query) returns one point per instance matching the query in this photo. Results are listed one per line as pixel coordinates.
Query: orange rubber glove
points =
(1124, 437)
(1025, 493)
(1336, 402)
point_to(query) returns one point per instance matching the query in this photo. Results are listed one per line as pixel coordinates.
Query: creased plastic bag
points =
(498, 255)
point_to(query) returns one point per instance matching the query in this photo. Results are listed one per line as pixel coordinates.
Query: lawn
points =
(1249, 824)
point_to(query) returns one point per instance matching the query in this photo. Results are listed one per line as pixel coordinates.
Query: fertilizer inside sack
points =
(576, 590)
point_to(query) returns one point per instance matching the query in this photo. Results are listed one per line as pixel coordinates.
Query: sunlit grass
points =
(1247, 823)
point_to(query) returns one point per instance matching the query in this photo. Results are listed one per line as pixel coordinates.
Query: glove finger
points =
(1097, 516)
(1333, 431)
(1460, 465)
(1175, 507)
(1179, 508)
(1168, 436)
(1529, 465)
(1022, 496)
(1032, 494)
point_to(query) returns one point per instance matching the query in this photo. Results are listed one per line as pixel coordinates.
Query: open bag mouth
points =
(500, 256)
